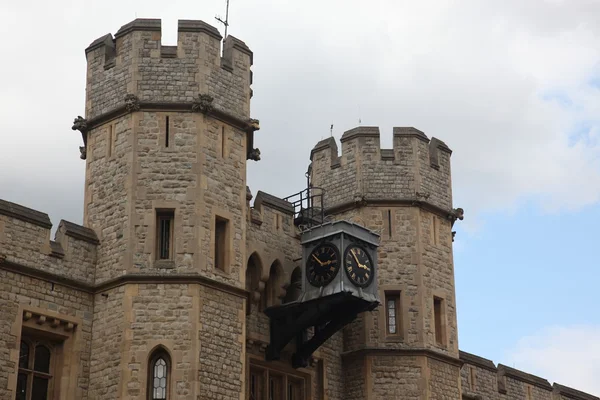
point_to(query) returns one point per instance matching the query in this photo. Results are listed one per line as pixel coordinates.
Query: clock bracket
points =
(326, 315)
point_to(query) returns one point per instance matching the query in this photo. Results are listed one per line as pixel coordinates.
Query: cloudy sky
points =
(512, 87)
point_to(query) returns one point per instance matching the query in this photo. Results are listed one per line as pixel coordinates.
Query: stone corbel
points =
(203, 103)
(254, 124)
(53, 322)
(132, 103)
(254, 154)
(80, 124)
(456, 213)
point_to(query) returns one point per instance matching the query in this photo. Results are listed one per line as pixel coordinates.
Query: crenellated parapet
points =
(135, 62)
(415, 169)
(482, 379)
(25, 245)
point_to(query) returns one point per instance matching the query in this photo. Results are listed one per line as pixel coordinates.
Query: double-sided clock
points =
(322, 264)
(358, 265)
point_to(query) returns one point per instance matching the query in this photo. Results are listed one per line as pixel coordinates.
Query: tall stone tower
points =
(408, 348)
(167, 134)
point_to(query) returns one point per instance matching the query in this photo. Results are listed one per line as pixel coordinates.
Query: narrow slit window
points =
(438, 321)
(435, 231)
(389, 218)
(164, 234)
(221, 241)
(223, 141)
(393, 313)
(109, 145)
(167, 131)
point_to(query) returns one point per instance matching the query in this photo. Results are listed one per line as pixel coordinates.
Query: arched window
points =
(273, 289)
(35, 371)
(159, 374)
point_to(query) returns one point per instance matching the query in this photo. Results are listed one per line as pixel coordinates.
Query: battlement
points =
(25, 244)
(483, 379)
(415, 168)
(134, 62)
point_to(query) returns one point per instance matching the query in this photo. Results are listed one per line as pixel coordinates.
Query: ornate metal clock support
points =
(326, 315)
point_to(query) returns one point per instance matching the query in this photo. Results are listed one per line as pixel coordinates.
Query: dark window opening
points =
(221, 242)
(110, 140)
(393, 313)
(164, 223)
(223, 141)
(438, 320)
(167, 132)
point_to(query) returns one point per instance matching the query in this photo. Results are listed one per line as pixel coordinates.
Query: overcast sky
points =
(511, 86)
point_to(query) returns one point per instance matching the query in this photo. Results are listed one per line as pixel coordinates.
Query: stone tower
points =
(407, 348)
(167, 134)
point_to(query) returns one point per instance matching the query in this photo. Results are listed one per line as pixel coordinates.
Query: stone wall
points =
(135, 62)
(396, 378)
(108, 343)
(46, 307)
(482, 379)
(108, 195)
(415, 169)
(25, 242)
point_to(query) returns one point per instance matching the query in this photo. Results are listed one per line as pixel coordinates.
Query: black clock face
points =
(358, 266)
(322, 265)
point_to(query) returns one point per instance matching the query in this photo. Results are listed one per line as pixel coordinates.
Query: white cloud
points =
(566, 355)
(475, 74)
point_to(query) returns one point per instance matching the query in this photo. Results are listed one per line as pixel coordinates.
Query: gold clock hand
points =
(319, 261)
(354, 255)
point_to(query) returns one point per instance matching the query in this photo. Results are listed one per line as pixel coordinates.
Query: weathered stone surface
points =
(115, 302)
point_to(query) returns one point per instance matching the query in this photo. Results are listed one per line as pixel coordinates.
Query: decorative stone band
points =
(451, 215)
(448, 359)
(54, 322)
(203, 104)
(122, 280)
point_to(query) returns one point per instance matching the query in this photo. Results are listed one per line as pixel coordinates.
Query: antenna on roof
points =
(226, 21)
(331, 130)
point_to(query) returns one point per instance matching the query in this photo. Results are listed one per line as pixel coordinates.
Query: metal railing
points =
(308, 207)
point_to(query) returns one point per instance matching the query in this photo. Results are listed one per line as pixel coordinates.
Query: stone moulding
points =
(134, 104)
(405, 352)
(415, 202)
(119, 281)
(54, 322)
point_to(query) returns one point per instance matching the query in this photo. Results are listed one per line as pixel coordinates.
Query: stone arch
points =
(295, 287)
(160, 366)
(254, 271)
(275, 289)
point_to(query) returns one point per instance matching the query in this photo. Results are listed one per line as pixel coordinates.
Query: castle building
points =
(160, 295)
